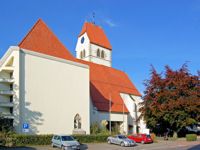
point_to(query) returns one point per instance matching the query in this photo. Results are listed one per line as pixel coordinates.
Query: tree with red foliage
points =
(171, 100)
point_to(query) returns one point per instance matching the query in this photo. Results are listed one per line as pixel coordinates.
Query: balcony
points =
(5, 80)
(6, 104)
(6, 92)
(7, 69)
(8, 115)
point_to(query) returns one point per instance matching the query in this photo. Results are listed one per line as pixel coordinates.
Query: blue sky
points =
(141, 32)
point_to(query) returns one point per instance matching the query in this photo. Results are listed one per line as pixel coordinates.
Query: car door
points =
(54, 140)
(114, 139)
(118, 140)
(59, 141)
(140, 138)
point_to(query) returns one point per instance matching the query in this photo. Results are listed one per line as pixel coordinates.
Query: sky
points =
(141, 32)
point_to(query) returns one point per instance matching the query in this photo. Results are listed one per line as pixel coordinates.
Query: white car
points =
(65, 142)
(120, 140)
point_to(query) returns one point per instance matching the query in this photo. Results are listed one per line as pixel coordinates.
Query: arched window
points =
(77, 122)
(102, 54)
(81, 55)
(98, 53)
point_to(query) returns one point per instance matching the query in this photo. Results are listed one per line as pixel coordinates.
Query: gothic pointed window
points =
(102, 54)
(77, 122)
(83, 53)
(98, 53)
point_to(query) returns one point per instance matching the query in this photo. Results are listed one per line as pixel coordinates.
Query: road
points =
(161, 145)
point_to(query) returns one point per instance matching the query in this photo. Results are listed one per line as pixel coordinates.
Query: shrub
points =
(21, 139)
(94, 128)
(90, 138)
(191, 137)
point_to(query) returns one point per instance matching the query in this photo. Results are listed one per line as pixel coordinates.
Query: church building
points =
(44, 86)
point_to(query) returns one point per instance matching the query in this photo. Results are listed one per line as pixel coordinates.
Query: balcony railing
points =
(8, 115)
(6, 104)
(5, 80)
(7, 69)
(6, 92)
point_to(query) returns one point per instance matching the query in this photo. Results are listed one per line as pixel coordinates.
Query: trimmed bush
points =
(91, 138)
(21, 139)
(191, 137)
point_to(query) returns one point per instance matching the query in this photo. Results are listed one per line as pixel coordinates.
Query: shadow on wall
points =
(24, 114)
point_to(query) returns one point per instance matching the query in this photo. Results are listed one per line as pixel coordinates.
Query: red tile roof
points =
(42, 40)
(104, 81)
(96, 35)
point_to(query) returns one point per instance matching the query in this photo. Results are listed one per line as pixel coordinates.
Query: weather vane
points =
(93, 15)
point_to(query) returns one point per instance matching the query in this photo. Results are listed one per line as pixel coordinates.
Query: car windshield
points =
(121, 137)
(67, 138)
(148, 136)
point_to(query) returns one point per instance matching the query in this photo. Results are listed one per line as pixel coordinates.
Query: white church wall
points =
(103, 61)
(55, 90)
(130, 104)
(113, 116)
(83, 46)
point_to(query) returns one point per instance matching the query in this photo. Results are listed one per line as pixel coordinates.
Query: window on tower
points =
(102, 54)
(98, 53)
(81, 55)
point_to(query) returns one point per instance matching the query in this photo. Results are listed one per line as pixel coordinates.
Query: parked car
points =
(65, 142)
(141, 138)
(120, 140)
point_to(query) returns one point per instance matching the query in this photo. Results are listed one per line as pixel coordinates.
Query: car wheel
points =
(142, 142)
(52, 145)
(109, 142)
(62, 147)
(122, 144)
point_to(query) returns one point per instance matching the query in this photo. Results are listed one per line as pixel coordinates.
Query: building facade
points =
(43, 85)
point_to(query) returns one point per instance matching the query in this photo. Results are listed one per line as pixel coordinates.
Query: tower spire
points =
(93, 15)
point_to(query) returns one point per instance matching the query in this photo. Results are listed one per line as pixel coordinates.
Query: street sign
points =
(25, 127)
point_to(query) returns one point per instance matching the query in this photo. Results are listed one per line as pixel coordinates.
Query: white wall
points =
(54, 92)
(91, 51)
(130, 104)
(83, 46)
(113, 116)
(103, 61)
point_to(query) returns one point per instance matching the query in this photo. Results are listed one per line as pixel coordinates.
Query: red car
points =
(141, 138)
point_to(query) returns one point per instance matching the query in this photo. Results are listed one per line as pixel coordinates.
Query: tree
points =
(171, 100)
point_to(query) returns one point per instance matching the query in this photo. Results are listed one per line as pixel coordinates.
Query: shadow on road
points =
(83, 147)
(196, 147)
(17, 148)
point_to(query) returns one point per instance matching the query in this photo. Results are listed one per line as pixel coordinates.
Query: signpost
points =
(25, 127)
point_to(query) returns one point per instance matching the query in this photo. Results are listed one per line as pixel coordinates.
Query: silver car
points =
(65, 142)
(120, 140)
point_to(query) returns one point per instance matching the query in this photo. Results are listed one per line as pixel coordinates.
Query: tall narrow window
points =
(83, 53)
(98, 53)
(77, 122)
(102, 54)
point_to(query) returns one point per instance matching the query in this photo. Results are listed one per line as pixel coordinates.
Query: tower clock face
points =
(82, 40)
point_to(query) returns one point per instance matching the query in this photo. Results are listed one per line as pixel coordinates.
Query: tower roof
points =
(96, 35)
(42, 40)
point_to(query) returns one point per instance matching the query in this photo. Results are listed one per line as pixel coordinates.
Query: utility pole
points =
(110, 114)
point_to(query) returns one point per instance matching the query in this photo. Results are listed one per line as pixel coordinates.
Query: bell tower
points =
(93, 45)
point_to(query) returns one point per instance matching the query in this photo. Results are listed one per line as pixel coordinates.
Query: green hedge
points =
(90, 138)
(20, 139)
(191, 137)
